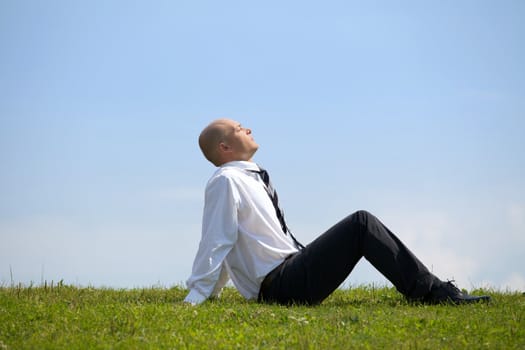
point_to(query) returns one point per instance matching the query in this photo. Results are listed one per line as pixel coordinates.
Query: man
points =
(245, 238)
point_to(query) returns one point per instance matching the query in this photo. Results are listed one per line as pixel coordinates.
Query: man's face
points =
(240, 141)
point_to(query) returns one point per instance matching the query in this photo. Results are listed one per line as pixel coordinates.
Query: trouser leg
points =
(315, 272)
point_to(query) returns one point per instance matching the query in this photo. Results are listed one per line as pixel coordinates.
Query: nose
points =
(248, 131)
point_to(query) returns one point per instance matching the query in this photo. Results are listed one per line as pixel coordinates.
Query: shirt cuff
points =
(194, 297)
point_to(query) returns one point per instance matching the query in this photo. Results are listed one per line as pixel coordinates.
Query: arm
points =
(219, 234)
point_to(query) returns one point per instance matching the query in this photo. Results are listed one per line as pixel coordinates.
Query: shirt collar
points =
(241, 164)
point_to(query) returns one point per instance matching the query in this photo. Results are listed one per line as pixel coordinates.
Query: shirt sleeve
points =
(219, 234)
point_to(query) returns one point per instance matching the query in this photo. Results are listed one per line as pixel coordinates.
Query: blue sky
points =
(414, 111)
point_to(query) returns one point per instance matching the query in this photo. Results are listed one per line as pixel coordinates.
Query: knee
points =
(361, 216)
(362, 213)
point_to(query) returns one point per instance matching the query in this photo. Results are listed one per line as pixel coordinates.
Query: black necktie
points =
(275, 201)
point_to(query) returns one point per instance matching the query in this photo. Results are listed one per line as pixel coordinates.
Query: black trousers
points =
(312, 274)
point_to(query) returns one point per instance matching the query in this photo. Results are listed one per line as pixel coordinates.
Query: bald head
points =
(225, 140)
(211, 137)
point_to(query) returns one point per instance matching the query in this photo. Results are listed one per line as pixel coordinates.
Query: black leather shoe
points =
(448, 293)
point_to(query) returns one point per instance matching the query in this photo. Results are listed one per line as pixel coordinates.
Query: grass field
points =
(67, 317)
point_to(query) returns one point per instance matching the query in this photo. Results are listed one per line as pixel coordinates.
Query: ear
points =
(224, 147)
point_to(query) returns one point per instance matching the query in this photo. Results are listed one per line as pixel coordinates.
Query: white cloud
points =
(435, 239)
(468, 246)
(124, 255)
(471, 245)
(514, 282)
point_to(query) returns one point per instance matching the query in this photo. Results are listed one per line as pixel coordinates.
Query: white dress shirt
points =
(241, 237)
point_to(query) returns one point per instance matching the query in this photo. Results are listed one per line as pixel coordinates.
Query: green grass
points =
(69, 317)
